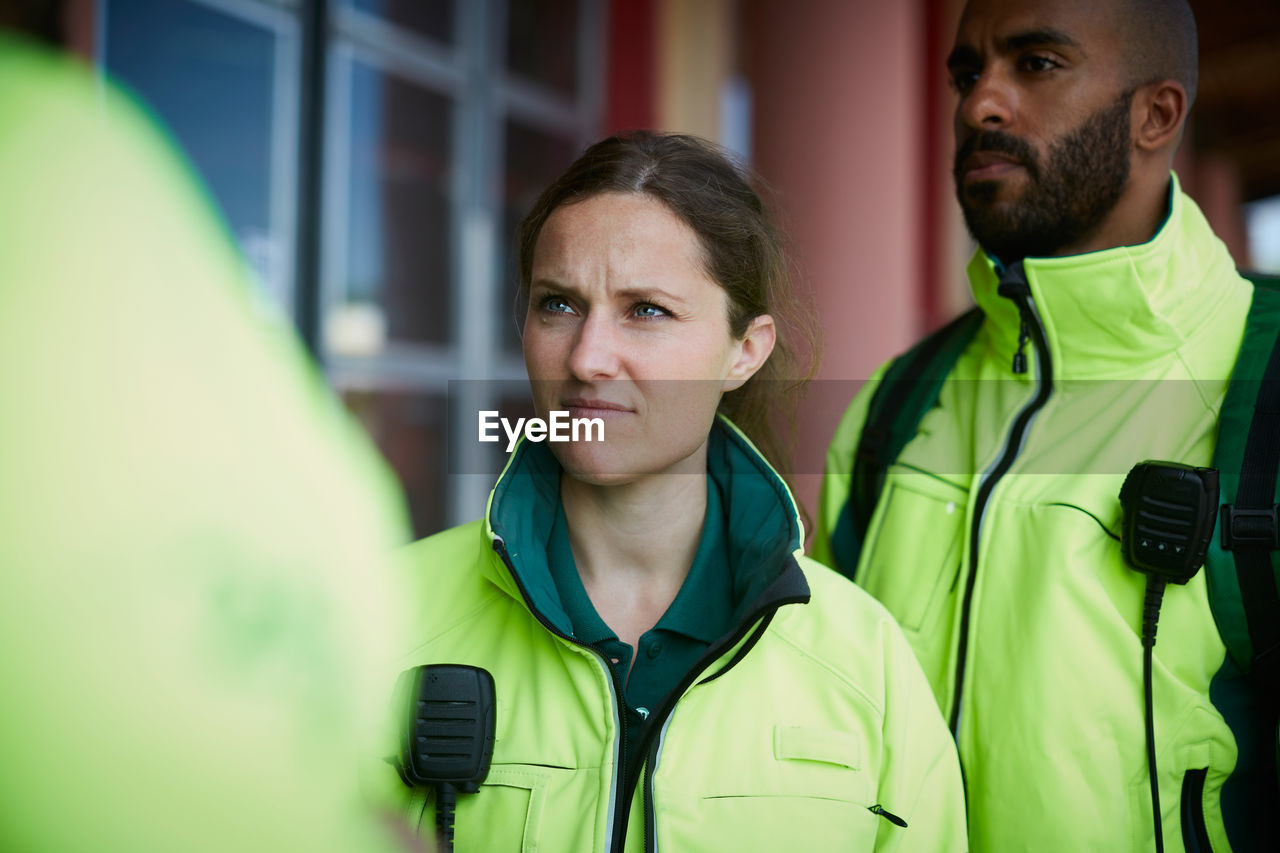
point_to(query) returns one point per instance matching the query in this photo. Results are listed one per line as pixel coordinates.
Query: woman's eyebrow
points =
(546, 283)
(642, 293)
(639, 293)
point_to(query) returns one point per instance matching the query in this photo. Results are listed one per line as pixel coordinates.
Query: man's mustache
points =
(998, 142)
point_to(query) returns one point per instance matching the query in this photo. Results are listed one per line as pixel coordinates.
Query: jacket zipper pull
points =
(1013, 285)
(889, 816)
(1020, 357)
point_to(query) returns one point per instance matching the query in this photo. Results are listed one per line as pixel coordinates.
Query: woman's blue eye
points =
(556, 305)
(648, 309)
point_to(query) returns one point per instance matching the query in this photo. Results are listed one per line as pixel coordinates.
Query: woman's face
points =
(625, 325)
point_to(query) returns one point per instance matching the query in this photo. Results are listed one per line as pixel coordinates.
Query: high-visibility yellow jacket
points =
(808, 714)
(993, 543)
(195, 540)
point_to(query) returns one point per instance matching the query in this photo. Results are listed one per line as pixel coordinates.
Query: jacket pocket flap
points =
(810, 744)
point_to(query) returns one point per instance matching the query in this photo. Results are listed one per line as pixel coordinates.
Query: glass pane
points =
(409, 429)
(431, 18)
(397, 217)
(534, 158)
(210, 78)
(1262, 219)
(542, 42)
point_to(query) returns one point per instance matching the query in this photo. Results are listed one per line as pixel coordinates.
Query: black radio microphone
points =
(447, 737)
(1169, 510)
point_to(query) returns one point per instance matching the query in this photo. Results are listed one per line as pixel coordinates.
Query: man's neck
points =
(1136, 219)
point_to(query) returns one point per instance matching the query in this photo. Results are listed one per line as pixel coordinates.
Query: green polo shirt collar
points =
(754, 551)
(703, 608)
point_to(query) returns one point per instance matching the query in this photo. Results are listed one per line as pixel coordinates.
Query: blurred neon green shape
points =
(194, 608)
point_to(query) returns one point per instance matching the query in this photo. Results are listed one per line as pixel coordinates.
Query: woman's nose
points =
(596, 351)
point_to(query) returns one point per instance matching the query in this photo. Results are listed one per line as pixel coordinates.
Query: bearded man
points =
(1111, 318)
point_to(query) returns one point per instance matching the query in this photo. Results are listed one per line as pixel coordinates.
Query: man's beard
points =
(1065, 197)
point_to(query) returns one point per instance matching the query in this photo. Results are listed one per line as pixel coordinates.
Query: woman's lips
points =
(581, 408)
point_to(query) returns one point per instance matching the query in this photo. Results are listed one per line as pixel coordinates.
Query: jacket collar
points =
(763, 539)
(1121, 312)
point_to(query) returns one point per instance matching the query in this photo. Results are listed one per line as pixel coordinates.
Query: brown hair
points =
(741, 248)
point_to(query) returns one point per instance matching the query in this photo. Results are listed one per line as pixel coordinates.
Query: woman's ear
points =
(753, 350)
(1159, 111)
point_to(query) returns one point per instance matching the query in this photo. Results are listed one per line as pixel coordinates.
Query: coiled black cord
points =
(1150, 615)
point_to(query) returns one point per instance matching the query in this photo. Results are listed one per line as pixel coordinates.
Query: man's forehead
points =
(1073, 22)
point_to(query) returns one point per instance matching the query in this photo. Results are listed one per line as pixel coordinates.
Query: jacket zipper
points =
(651, 814)
(1013, 286)
(620, 800)
(651, 744)
(615, 841)
(655, 741)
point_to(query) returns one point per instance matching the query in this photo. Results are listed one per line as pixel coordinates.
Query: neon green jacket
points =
(194, 539)
(810, 712)
(993, 544)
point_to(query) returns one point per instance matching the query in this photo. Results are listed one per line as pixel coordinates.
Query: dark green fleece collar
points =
(762, 529)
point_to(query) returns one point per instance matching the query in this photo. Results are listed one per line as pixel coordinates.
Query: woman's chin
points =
(597, 467)
(603, 466)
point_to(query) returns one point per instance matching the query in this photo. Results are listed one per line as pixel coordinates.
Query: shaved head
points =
(1160, 42)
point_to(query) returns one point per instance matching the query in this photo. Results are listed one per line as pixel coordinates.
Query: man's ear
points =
(1157, 115)
(753, 351)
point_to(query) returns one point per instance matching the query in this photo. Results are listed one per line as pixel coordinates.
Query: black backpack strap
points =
(1243, 572)
(908, 390)
(1250, 523)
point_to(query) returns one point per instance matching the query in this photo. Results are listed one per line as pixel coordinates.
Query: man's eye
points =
(963, 81)
(1038, 64)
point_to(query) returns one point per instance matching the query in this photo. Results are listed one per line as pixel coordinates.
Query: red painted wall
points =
(840, 135)
(631, 90)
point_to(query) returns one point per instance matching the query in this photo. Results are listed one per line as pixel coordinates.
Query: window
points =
(442, 120)
(224, 79)
(1262, 219)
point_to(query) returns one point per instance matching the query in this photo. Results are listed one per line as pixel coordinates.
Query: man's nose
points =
(596, 352)
(990, 103)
